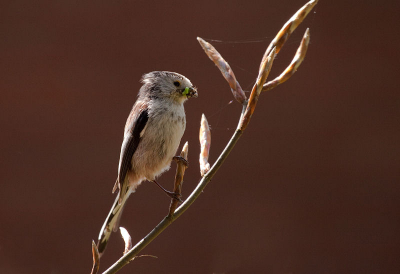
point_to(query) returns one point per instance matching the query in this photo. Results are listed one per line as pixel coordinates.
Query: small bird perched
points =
(153, 131)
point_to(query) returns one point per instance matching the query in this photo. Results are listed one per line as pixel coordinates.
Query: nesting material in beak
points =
(191, 92)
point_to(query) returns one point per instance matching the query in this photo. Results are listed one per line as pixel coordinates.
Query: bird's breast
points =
(170, 128)
(160, 140)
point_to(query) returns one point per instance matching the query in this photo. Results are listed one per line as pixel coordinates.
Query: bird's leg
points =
(171, 194)
(181, 159)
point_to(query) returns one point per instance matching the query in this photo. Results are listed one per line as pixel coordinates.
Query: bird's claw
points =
(181, 160)
(174, 195)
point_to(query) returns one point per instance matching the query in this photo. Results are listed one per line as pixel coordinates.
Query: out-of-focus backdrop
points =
(311, 187)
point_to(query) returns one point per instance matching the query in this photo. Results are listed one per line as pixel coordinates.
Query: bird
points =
(152, 134)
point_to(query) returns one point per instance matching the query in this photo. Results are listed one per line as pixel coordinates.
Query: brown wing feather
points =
(134, 126)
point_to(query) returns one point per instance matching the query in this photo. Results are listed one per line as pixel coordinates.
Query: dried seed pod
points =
(289, 27)
(225, 69)
(294, 65)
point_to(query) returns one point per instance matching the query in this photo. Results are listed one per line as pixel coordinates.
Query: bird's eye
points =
(177, 83)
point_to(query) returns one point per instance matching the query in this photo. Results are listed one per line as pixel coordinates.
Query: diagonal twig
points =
(265, 68)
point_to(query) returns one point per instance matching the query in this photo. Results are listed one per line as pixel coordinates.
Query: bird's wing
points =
(134, 126)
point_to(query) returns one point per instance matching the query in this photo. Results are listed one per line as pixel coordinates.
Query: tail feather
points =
(112, 222)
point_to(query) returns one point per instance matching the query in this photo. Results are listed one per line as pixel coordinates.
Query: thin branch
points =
(265, 68)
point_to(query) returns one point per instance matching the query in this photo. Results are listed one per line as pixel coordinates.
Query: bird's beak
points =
(192, 93)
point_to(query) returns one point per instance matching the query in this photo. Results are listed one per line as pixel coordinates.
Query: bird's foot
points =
(181, 159)
(173, 195)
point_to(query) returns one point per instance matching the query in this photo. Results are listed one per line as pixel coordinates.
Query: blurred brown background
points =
(311, 187)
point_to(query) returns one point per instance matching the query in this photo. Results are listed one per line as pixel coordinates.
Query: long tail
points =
(112, 222)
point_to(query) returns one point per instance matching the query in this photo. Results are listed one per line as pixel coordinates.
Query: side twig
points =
(180, 172)
(96, 259)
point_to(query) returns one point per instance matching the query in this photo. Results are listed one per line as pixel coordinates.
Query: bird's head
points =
(165, 84)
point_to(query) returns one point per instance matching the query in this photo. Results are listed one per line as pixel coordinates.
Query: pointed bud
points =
(205, 143)
(127, 239)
